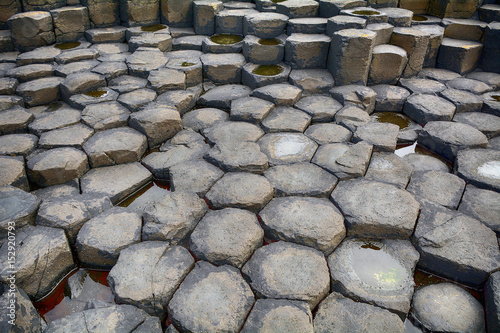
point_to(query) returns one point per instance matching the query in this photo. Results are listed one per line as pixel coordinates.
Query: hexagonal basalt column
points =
(298, 8)
(415, 42)
(231, 21)
(204, 12)
(307, 50)
(256, 76)
(103, 13)
(223, 68)
(457, 55)
(264, 25)
(31, 30)
(139, 12)
(388, 63)
(261, 51)
(369, 14)
(177, 13)
(70, 23)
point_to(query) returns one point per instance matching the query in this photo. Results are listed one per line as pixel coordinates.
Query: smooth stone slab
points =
(491, 300)
(470, 85)
(286, 270)
(233, 131)
(491, 79)
(222, 96)
(280, 94)
(240, 190)
(157, 123)
(18, 144)
(76, 55)
(181, 100)
(250, 109)
(375, 272)
(421, 162)
(286, 119)
(165, 79)
(442, 188)
(79, 83)
(18, 207)
(479, 167)
(126, 179)
(238, 157)
(226, 237)
(223, 68)
(287, 148)
(75, 67)
(264, 25)
(455, 246)
(422, 86)
(111, 69)
(389, 168)
(127, 83)
(41, 55)
(147, 275)
(390, 98)
(488, 124)
(15, 120)
(344, 160)
(481, 205)
(71, 136)
(40, 91)
(391, 213)
(145, 60)
(104, 116)
(423, 108)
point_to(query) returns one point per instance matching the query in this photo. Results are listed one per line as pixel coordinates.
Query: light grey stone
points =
(344, 160)
(389, 168)
(233, 131)
(423, 108)
(287, 148)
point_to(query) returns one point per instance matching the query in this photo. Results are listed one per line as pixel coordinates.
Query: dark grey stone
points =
(238, 157)
(383, 136)
(422, 86)
(440, 187)
(203, 118)
(423, 108)
(40, 91)
(222, 96)
(137, 98)
(390, 98)
(280, 94)
(355, 95)
(481, 205)
(14, 172)
(54, 120)
(250, 109)
(104, 116)
(18, 144)
(344, 160)
(17, 207)
(233, 131)
(464, 101)
(286, 119)
(479, 167)
(488, 124)
(194, 176)
(145, 60)
(313, 81)
(389, 168)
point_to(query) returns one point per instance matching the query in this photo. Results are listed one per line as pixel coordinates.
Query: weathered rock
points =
(31, 72)
(280, 94)
(238, 157)
(26, 316)
(79, 83)
(222, 96)
(459, 56)
(436, 38)
(111, 69)
(114, 34)
(17, 144)
(181, 100)
(286, 119)
(70, 136)
(428, 108)
(491, 301)
(481, 205)
(19, 209)
(103, 116)
(145, 60)
(251, 78)
(15, 120)
(307, 50)
(75, 67)
(383, 136)
(440, 187)
(387, 64)
(13, 172)
(415, 43)
(40, 91)
(329, 8)
(8, 86)
(287, 148)
(161, 41)
(79, 54)
(31, 30)
(264, 25)
(223, 68)
(355, 95)
(383, 31)
(8, 102)
(176, 13)
(328, 133)
(200, 119)
(320, 108)
(250, 109)
(479, 167)
(192, 70)
(344, 160)
(137, 98)
(389, 168)
(488, 124)
(157, 123)
(204, 13)
(70, 23)
(232, 131)
(194, 176)
(342, 22)
(464, 101)
(314, 81)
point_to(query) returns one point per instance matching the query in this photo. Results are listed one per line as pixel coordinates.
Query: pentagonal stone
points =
(458, 55)
(287, 148)
(307, 50)
(280, 315)
(55, 120)
(440, 187)
(233, 131)
(31, 30)
(464, 101)
(211, 298)
(70, 136)
(103, 116)
(158, 124)
(479, 167)
(204, 13)
(286, 119)
(298, 8)
(375, 272)
(350, 55)
(238, 156)
(286, 270)
(192, 69)
(19, 208)
(254, 78)
(173, 217)
(15, 120)
(181, 100)
(111, 69)
(280, 94)
(355, 95)
(79, 83)
(228, 236)
(438, 74)
(13, 172)
(223, 68)
(250, 109)
(344, 160)
(201, 119)
(312, 222)
(194, 176)
(387, 64)
(391, 213)
(435, 306)
(40, 91)
(75, 67)
(389, 168)
(102, 238)
(390, 98)
(455, 246)
(337, 312)
(145, 60)
(147, 275)
(307, 25)
(488, 124)
(313, 81)
(415, 43)
(342, 22)
(383, 136)
(328, 133)
(137, 98)
(481, 205)
(57, 166)
(115, 146)
(447, 138)
(301, 179)
(161, 41)
(264, 25)
(7, 102)
(320, 108)
(222, 96)
(425, 108)
(17, 144)
(127, 178)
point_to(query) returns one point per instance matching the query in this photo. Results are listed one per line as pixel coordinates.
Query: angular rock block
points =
(231, 21)
(270, 51)
(204, 12)
(70, 23)
(459, 56)
(177, 13)
(489, 13)
(314, 81)
(437, 33)
(252, 78)
(307, 25)
(298, 8)
(416, 6)
(14, 173)
(139, 12)
(329, 8)
(491, 52)
(465, 29)
(341, 22)
(388, 63)
(369, 14)
(31, 29)
(264, 25)
(415, 42)
(479, 167)
(350, 56)
(398, 17)
(41, 91)
(103, 13)
(383, 31)
(7, 9)
(34, 5)
(6, 42)
(307, 50)
(223, 68)
(452, 8)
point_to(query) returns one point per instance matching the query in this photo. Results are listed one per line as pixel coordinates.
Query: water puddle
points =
(68, 45)
(496, 97)
(268, 70)
(419, 18)
(403, 150)
(365, 12)
(393, 118)
(151, 192)
(490, 169)
(187, 64)
(269, 41)
(153, 27)
(226, 39)
(97, 93)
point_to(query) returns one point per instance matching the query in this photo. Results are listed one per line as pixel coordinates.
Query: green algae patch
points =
(419, 18)
(277, 1)
(67, 46)
(187, 64)
(371, 246)
(153, 27)
(226, 39)
(496, 97)
(269, 41)
(393, 118)
(268, 70)
(365, 12)
(97, 93)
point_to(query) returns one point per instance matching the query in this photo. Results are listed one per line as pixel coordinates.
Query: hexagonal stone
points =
(238, 156)
(320, 108)
(164, 79)
(111, 69)
(157, 123)
(8, 101)
(40, 55)
(280, 94)
(76, 55)
(223, 68)
(240, 190)
(424, 108)
(287, 148)
(307, 221)
(127, 83)
(339, 313)
(137, 98)
(194, 176)
(226, 237)
(55, 120)
(422, 162)
(447, 138)
(313, 81)
(203, 118)
(286, 270)
(161, 41)
(470, 85)
(172, 217)
(344, 160)
(31, 72)
(390, 98)
(250, 109)
(375, 272)
(464, 101)
(75, 67)
(355, 95)
(101, 95)
(222, 96)
(182, 100)
(15, 120)
(307, 50)
(43, 257)
(479, 167)
(13, 172)
(455, 246)
(103, 116)
(147, 275)
(298, 8)
(435, 307)
(440, 187)
(70, 136)
(127, 178)
(481, 205)
(115, 146)
(488, 124)
(233, 131)
(102, 238)
(253, 79)
(145, 60)
(389, 168)
(279, 315)
(40, 91)
(57, 166)
(376, 210)
(18, 207)
(383, 136)
(286, 119)
(328, 133)
(301, 179)
(264, 25)
(422, 86)
(192, 69)
(17, 144)
(79, 83)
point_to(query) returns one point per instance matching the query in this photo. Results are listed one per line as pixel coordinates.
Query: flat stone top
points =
(356, 33)
(465, 44)
(410, 32)
(35, 15)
